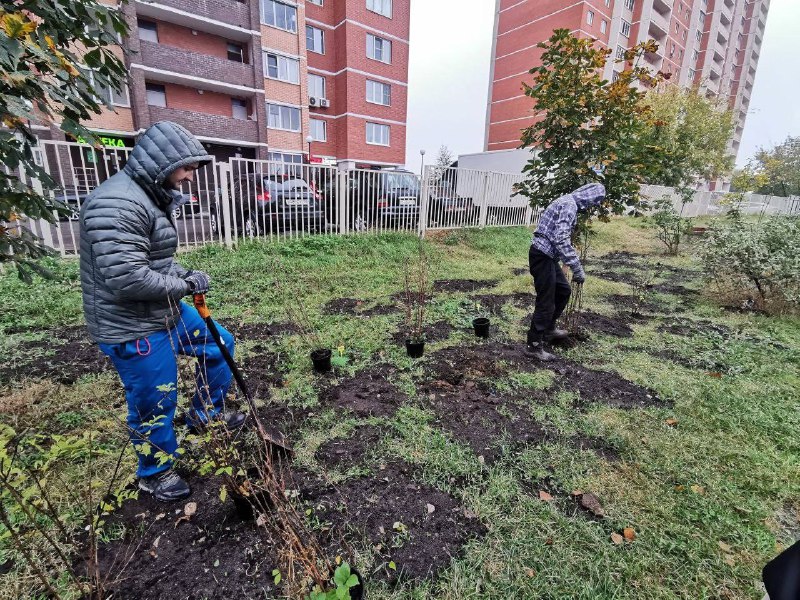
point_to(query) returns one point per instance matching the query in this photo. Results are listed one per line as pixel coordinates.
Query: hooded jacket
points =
(553, 234)
(130, 282)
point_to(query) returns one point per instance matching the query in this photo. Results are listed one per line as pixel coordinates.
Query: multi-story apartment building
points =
(713, 44)
(259, 78)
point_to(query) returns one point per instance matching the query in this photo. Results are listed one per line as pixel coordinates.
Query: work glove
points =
(579, 276)
(199, 282)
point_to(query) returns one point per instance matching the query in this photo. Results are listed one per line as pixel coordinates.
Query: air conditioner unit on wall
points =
(312, 101)
(324, 103)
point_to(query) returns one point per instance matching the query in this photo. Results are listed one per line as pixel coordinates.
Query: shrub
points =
(670, 226)
(760, 262)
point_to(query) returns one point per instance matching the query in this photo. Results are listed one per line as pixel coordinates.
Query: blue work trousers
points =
(148, 369)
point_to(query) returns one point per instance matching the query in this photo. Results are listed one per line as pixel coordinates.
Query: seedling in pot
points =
(416, 295)
(481, 323)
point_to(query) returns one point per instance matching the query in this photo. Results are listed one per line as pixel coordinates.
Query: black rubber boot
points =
(166, 486)
(536, 350)
(556, 335)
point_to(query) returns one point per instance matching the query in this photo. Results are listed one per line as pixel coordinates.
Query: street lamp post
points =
(422, 166)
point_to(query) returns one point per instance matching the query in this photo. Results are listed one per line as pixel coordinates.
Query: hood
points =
(160, 150)
(589, 196)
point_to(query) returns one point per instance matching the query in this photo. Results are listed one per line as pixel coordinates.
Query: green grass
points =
(727, 472)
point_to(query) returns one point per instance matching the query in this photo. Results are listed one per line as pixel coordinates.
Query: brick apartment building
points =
(713, 44)
(257, 78)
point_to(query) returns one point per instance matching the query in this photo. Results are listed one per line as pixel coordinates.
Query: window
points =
(684, 34)
(317, 2)
(117, 97)
(377, 135)
(148, 31)
(681, 54)
(699, 35)
(379, 49)
(278, 14)
(235, 52)
(614, 76)
(677, 27)
(379, 93)
(695, 55)
(620, 53)
(319, 130)
(156, 94)
(382, 7)
(316, 86)
(283, 117)
(702, 18)
(626, 28)
(315, 40)
(692, 74)
(282, 68)
(589, 17)
(608, 3)
(239, 109)
(603, 26)
(629, 4)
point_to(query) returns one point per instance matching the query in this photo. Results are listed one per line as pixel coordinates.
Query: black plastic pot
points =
(357, 592)
(322, 360)
(415, 349)
(245, 505)
(481, 326)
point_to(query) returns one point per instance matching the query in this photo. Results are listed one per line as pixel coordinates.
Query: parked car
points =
(447, 208)
(388, 197)
(73, 199)
(264, 204)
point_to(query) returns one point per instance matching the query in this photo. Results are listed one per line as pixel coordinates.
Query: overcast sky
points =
(449, 78)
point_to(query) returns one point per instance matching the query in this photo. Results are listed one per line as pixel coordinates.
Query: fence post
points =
(484, 201)
(424, 202)
(342, 199)
(224, 202)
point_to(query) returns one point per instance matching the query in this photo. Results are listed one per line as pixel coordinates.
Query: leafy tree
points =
(774, 172)
(445, 158)
(53, 56)
(588, 129)
(692, 133)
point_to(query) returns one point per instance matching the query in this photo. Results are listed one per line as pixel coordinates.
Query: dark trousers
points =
(552, 293)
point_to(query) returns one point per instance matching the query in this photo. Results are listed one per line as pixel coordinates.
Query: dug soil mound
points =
(343, 453)
(435, 332)
(368, 394)
(462, 285)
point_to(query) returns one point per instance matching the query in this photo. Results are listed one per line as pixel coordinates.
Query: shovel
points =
(275, 439)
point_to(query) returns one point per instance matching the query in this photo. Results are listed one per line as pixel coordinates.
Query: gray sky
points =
(449, 78)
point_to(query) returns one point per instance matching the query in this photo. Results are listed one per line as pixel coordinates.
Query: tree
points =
(775, 172)
(54, 55)
(588, 129)
(445, 158)
(692, 132)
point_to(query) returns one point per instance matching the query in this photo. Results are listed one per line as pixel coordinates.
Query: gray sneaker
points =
(166, 486)
(537, 351)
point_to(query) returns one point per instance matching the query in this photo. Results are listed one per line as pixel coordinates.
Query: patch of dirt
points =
(356, 307)
(368, 394)
(476, 414)
(683, 361)
(431, 526)
(598, 445)
(261, 332)
(629, 307)
(435, 332)
(71, 354)
(687, 328)
(343, 453)
(616, 276)
(494, 303)
(261, 371)
(521, 271)
(601, 386)
(462, 285)
(603, 324)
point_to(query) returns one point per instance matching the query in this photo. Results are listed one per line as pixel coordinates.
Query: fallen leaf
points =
(545, 497)
(261, 520)
(592, 503)
(617, 538)
(470, 514)
(679, 488)
(190, 509)
(698, 489)
(156, 541)
(431, 508)
(724, 547)
(160, 516)
(672, 422)
(629, 533)
(530, 573)
(182, 518)
(392, 566)
(715, 375)
(729, 560)
(548, 541)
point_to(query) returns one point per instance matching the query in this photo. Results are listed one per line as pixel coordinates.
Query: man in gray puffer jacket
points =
(132, 290)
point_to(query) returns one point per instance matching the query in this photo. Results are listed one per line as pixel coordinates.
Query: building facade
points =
(712, 44)
(259, 78)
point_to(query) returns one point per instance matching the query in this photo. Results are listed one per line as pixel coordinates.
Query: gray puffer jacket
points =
(131, 284)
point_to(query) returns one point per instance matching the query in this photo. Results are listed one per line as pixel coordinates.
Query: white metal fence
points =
(717, 203)
(249, 199)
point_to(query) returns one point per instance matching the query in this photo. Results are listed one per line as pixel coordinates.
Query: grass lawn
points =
(681, 420)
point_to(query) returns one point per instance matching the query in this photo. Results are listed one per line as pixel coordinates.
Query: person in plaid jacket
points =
(551, 243)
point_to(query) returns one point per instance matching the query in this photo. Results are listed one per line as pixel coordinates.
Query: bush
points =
(758, 261)
(670, 226)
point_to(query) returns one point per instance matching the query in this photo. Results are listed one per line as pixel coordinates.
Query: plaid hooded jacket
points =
(554, 232)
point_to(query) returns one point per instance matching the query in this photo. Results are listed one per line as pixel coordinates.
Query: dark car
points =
(379, 198)
(72, 198)
(264, 204)
(447, 209)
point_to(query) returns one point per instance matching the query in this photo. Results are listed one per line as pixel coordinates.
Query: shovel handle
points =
(201, 306)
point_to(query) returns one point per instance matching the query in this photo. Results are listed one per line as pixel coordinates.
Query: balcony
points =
(201, 66)
(229, 18)
(659, 26)
(205, 125)
(662, 7)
